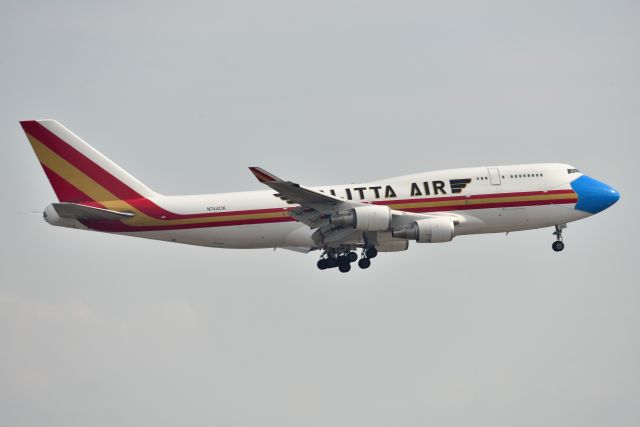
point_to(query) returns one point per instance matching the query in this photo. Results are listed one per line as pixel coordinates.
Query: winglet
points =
(263, 175)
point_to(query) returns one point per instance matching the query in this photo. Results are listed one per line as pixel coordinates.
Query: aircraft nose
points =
(594, 196)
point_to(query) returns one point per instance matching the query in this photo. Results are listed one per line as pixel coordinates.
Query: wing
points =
(304, 196)
(315, 208)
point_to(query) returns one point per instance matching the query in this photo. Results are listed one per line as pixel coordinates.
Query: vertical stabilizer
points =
(78, 172)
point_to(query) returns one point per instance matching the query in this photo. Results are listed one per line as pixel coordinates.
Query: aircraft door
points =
(494, 176)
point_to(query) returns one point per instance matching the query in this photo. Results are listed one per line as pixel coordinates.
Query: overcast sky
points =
(488, 330)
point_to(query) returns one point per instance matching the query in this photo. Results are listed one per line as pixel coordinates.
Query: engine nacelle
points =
(432, 230)
(365, 218)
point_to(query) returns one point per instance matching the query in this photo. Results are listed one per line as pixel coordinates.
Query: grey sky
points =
(488, 330)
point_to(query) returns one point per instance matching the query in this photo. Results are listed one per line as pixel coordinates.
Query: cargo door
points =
(494, 176)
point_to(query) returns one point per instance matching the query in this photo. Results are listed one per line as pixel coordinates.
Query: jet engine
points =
(431, 230)
(364, 218)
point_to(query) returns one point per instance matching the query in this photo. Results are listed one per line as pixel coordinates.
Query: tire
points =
(371, 252)
(353, 257)
(331, 263)
(364, 263)
(557, 246)
(322, 264)
(344, 268)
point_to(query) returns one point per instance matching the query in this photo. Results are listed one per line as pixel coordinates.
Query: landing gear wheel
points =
(322, 263)
(331, 263)
(344, 268)
(558, 245)
(371, 252)
(342, 259)
(352, 256)
(364, 263)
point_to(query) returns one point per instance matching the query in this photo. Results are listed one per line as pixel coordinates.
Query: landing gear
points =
(364, 263)
(371, 252)
(344, 268)
(328, 260)
(367, 254)
(344, 261)
(558, 245)
(331, 258)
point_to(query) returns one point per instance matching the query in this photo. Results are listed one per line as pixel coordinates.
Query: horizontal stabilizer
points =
(77, 211)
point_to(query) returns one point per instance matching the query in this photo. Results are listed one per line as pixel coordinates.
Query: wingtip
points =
(262, 175)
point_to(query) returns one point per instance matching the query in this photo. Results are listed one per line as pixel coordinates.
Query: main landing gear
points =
(367, 254)
(558, 245)
(343, 261)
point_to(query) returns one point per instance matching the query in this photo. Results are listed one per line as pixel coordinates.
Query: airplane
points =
(336, 220)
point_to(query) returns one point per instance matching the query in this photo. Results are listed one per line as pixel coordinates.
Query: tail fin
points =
(77, 172)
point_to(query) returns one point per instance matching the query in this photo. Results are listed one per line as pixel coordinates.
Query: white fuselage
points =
(486, 182)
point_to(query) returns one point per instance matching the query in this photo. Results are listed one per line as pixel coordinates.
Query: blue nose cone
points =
(593, 196)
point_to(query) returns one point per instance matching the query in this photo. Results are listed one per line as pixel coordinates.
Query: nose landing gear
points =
(558, 245)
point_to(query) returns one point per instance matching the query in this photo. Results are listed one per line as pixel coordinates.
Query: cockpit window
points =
(572, 171)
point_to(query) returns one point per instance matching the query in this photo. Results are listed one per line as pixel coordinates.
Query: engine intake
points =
(432, 230)
(364, 218)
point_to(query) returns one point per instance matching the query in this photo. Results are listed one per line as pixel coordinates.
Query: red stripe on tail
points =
(67, 192)
(79, 160)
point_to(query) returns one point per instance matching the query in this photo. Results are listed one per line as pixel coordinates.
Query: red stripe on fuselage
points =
(116, 226)
(472, 197)
(490, 205)
(119, 227)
